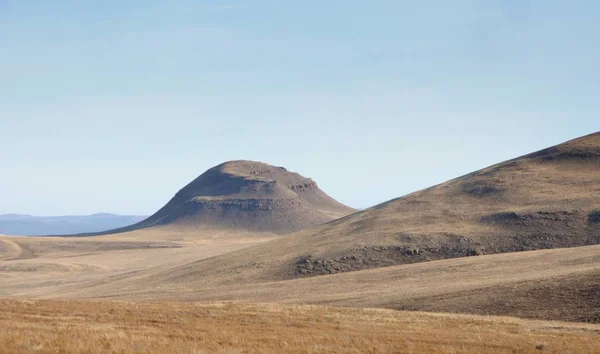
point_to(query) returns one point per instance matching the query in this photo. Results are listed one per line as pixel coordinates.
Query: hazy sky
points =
(113, 106)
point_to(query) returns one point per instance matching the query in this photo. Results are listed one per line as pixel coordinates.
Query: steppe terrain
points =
(548, 199)
(521, 238)
(51, 326)
(555, 284)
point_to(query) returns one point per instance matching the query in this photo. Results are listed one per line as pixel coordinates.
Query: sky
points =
(114, 105)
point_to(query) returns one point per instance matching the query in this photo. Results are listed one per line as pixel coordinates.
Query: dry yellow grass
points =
(37, 266)
(52, 326)
(556, 284)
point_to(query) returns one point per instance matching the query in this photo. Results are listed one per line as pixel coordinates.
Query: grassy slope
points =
(540, 201)
(160, 327)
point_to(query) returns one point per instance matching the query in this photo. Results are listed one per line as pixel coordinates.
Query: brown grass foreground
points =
(49, 326)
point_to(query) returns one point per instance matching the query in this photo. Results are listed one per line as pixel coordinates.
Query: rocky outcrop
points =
(594, 217)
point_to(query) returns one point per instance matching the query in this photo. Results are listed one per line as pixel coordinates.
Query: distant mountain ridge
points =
(29, 225)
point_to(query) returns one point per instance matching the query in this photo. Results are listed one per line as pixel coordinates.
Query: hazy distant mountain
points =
(18, 224)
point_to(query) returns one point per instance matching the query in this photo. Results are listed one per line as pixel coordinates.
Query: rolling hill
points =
(547, 199)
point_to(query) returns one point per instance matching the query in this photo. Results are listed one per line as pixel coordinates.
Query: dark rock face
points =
(360, 258)
(540, 217)
(368, 257)
(503, 217)
(594, 217)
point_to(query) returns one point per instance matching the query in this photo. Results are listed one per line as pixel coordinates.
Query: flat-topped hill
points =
(248, 195)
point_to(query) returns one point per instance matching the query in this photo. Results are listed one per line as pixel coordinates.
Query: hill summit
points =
(248, 195)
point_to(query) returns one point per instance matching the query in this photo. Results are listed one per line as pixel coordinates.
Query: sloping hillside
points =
(548, 199)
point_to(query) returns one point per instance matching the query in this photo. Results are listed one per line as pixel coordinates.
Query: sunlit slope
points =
(548, 199)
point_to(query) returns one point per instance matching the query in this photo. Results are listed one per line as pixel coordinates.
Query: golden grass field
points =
(52, 326)
(556, 284)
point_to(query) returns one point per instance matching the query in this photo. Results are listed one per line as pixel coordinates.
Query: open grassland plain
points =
(36, 265)
(70, 326)
(554, 284)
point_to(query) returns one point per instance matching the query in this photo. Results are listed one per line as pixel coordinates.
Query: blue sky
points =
(112, 106)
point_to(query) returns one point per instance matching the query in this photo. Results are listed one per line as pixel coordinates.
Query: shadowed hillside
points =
(548, 199)
(247, 195)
